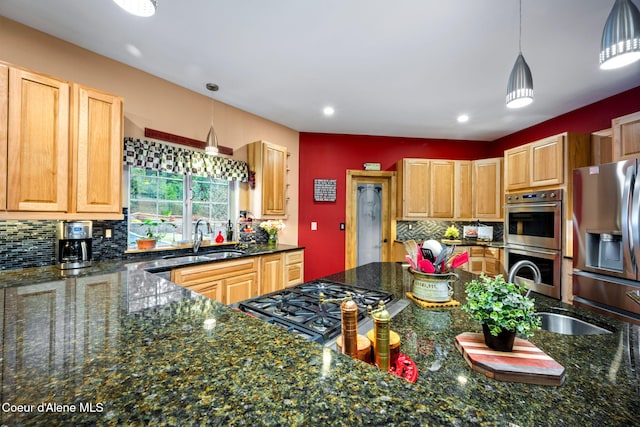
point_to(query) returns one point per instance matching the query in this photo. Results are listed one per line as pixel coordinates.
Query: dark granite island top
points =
(127, 347)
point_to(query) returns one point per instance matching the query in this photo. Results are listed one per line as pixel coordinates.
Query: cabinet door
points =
(4, 121)
(38, 143)
(626, 136)
(487, 189)
(274, 173)
(271, 273)
(98, 151)
(240, 288)
(442, 188)
(294, 266)
(547, 161)
(463, 203)
(414, 175)
(516, 168)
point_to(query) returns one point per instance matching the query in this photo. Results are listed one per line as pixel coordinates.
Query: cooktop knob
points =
(553, 195)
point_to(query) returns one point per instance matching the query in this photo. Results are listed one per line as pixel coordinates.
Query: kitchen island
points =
(132, 348)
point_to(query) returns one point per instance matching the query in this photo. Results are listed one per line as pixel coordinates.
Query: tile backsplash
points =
(30, 243)
(425, 230)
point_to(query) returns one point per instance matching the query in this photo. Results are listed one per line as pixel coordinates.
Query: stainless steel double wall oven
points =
(533, 231)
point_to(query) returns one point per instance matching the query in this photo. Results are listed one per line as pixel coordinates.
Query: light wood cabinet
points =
(4, 123)
(483, 259)
(269, 162)
(97, 150)
(602, 147)
(271, 273)
(626, 136)
(493, 261)
(227, 281)
(38, 143)
(442, 192)
(548, 162)
(516, 168)
(413, 188)
(487, 189)
(463, 193)
(294, 268)
(64, 143)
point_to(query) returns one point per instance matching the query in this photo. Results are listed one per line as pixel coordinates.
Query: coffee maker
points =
(73, 244)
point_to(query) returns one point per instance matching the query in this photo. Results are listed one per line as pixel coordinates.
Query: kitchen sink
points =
(567, 325)
(188, 258)
(231, 253)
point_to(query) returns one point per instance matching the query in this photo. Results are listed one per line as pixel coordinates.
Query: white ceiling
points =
(403, 68)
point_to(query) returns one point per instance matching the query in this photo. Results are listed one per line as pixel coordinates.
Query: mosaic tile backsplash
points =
(425, 230)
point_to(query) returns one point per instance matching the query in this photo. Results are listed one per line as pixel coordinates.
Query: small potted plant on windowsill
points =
(503, 309)
(153, 232)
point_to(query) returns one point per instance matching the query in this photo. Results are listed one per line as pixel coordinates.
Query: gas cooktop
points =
(298, 309)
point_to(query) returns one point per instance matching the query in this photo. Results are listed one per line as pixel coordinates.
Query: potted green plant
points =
(503, 309)
(154, 231)
(451, 234)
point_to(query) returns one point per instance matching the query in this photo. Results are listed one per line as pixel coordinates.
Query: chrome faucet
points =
(197, 234)
(537, 276)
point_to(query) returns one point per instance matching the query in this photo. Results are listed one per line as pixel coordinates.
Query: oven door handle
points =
(532, 205)
(534, 250)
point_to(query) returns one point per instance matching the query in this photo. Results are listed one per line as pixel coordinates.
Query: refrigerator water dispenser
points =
(604, 251)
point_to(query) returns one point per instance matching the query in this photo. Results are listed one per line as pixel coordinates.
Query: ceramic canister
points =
(433, 287)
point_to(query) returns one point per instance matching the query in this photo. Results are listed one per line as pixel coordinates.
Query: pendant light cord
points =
(520, 30)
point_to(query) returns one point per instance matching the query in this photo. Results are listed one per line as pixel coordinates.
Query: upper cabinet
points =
(626, 137)
(269, 163)
(547, 162)
(38, 143)
(487, 189)
(413, 188)
(64, 143)
(97, 150)
(449, 189)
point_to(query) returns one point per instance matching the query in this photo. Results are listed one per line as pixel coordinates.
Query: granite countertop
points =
(126, 347)
(468, 242)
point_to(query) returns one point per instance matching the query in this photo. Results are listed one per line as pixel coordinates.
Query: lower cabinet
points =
(271, 273)
(293, 268)
(227, 282)
(482, 259)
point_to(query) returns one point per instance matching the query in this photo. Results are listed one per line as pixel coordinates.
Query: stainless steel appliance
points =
(533, 231)
(298, 310)
(606, 237)
(73, 244)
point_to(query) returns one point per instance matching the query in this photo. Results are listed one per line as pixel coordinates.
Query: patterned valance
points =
(167, 158)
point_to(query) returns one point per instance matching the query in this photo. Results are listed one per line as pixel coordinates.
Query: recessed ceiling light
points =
(463, 118)
(328, 111)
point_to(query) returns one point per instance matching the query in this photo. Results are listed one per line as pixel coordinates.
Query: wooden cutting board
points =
(525, 364)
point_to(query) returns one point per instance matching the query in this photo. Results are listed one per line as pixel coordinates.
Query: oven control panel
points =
(534, 196)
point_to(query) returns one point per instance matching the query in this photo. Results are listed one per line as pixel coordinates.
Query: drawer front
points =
(477, 251)
(204, 273)
(492, 253)
(294, 274)
(294, 257)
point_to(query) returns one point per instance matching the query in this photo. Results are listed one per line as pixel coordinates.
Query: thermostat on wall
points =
(372, 166)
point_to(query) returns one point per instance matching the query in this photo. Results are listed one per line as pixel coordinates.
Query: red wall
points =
(591, 118)
(328, 156)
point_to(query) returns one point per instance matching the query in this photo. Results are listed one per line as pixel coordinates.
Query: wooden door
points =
(516, 168)
(38, 143)
(413, 183)
(487, 189)
(442, 188)
(547, 161)
(274, 185)
(4, 121)
(463, 201)
(240, 288)
(388, 183)
(626, 136)
(97, 151)
(271, 273)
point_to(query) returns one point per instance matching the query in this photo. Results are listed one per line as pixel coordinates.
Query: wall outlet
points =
(107, 233)
(314, 225)
(410, 226)
(342, 226)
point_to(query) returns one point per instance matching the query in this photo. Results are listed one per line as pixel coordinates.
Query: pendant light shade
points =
(620, 44)
(520, 86)
(211, 146)
(143, 8)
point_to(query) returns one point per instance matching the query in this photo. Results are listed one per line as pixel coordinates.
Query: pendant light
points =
(620, 44)
(520, 86)
(211, 146)
(143, 8)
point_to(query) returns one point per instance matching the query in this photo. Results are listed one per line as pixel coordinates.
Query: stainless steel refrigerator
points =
(606, 238)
